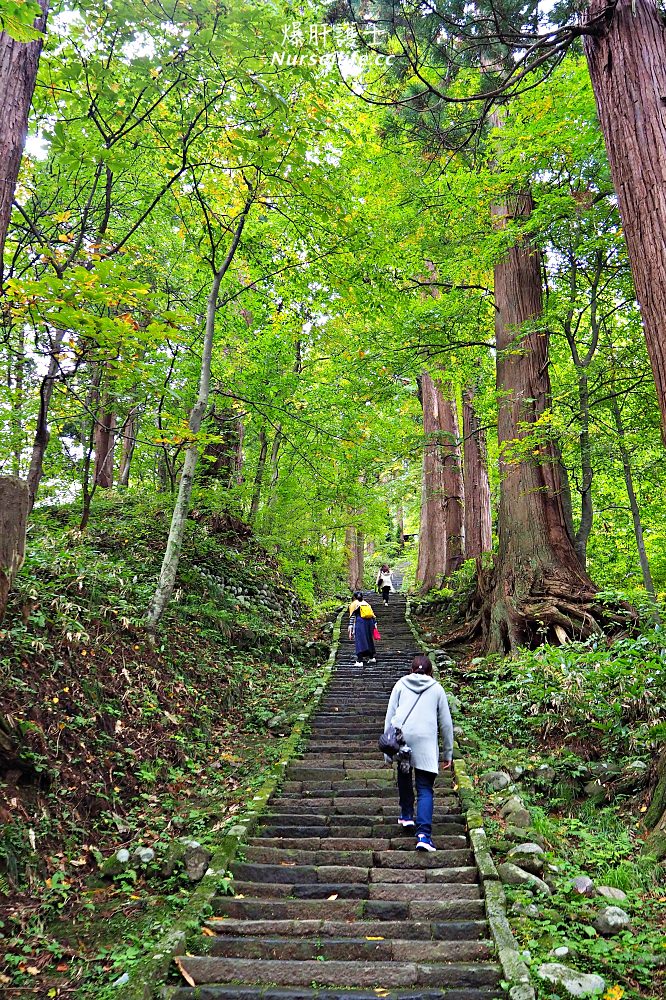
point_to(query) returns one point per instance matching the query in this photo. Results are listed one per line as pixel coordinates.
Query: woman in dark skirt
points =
(362, 624)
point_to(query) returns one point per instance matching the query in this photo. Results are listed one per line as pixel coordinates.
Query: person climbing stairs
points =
(332, 901)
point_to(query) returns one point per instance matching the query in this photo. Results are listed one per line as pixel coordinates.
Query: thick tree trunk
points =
(587, 472)
(478, 524)
(259, 475)
(129, 432)
(105, 442)
(635, 510)
(452, 481)
(355, 560)
(225, 457)
(655, 817)
(431, 566)
(18, 71)
(539, 590)
(14, 506)
(628, 70)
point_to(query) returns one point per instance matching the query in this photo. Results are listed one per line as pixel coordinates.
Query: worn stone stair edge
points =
(516, 974)
(152, 970)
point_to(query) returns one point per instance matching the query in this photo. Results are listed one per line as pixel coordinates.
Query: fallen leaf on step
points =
(288, 864)
(208, 932)
(373, 938)
(185, 974)
(334, 896)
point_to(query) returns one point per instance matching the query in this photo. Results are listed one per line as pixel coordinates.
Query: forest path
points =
(332, 899)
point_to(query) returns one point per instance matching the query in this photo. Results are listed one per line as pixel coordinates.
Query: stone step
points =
(345, 949)
(357, 890)
(231, 991)
(414, 930)
(253, 908)
(339, 973)
(338, 842)
(389, 860)
(354, 834)
(293, 874)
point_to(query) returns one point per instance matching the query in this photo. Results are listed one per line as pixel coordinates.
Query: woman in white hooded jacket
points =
(419, 706)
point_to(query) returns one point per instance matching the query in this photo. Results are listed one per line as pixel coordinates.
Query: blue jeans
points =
(425, 800)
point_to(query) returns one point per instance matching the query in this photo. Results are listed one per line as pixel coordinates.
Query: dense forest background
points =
(291, 290)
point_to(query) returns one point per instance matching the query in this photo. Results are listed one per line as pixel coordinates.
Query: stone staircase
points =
(332, 900)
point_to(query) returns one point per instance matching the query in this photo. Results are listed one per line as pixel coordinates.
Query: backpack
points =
(366, 611)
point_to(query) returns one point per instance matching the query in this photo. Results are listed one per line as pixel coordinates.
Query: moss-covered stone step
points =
(415, 930)
(347, 909)
(204, 969)
(345, 949)
(230, 991)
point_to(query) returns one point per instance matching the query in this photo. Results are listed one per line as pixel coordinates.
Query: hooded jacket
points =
(429, 718)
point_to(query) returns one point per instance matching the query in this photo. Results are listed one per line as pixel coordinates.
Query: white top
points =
(385, 580)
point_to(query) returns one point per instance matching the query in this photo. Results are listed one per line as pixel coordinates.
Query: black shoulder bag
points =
(392, 739)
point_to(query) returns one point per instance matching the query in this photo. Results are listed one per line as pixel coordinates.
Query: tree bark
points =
(14, 506)
(587, 472)
(18, 71)
(431, 566)
(129, 432)
(42, 433)
(105, 442)
(169, 569)
(452, 482)
(225, 456)
(626, 60)
(355, 559)
(539, 590)
(259, 475)
(635, 510)
(478, 524)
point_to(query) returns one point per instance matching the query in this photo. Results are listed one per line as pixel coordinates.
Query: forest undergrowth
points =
(578, 730)
(112, 739)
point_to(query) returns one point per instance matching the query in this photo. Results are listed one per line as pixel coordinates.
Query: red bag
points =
(375, 634)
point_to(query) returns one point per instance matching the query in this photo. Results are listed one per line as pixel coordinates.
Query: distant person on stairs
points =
(385, 583)
(419, 706)
(362, 624)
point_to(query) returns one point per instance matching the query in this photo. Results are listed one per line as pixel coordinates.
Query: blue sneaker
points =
(406, 821)
(424, 843)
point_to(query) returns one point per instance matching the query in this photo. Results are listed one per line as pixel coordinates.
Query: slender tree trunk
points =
(431, 566)
(18, 72)
(167, 579)
(129, 432)
(259, 475)
(15, 382)
(633, 504)
(478, 523)
(88, 485)
(14, 506)
(42, 433)
(628, 71)
(587, 472)
(105, 442)
(539, 591)
(452, 482)
(275, 456)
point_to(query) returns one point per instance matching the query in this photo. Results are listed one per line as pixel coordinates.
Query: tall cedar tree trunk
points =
(129, 432)
(452, 482)
(587, 471)
(171, 559)
(633, 504)
(539, 590)
(355, 561)
(259, 475)
(14, 505)
(105, 442)
(431, 566)
(225, 457)
(18, 71)
(478, 524)
(627, 62)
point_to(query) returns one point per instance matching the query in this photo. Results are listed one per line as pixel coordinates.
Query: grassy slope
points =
(573, 709)
(112, 740)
